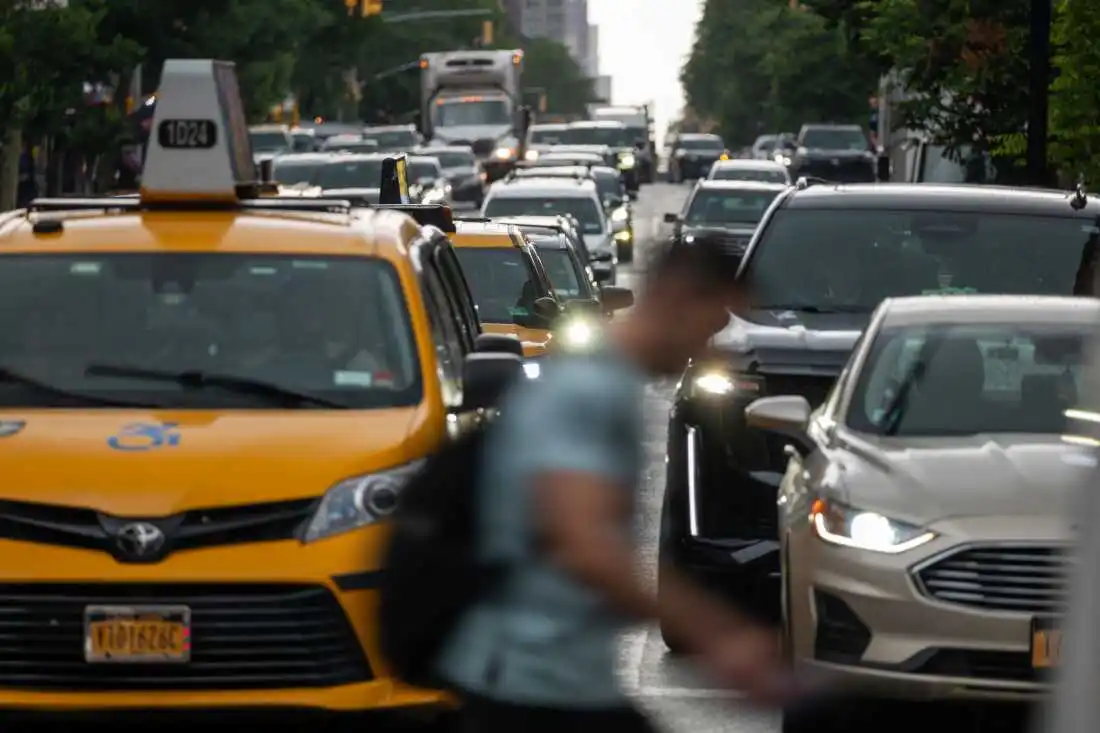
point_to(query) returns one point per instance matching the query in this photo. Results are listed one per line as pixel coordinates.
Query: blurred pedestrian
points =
(556, 493)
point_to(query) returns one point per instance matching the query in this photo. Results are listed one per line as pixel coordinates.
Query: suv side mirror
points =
(485, 377)
(615, 298)
(671, 218)
(498, 343)
(784, 415)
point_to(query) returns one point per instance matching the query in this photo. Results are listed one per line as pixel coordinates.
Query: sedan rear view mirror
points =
(785, 415)
(498, 343)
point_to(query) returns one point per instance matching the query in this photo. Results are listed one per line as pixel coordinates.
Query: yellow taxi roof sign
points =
(199, 148)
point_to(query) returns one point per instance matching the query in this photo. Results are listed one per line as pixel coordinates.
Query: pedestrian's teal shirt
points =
(546, 639)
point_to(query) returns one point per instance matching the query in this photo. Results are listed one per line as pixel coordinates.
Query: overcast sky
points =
(643, 44)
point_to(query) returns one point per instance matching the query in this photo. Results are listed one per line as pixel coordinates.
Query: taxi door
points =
(453, 333)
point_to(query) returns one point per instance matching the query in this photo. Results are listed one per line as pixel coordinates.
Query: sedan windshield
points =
(204, 331)
(500, 281)
(701, 143)
(423, 170)
(762, 175)
(351, 174)
(290, 172)
(585, 210)
(455, 160)
(945, 380)
(853, 259)
(728, 207)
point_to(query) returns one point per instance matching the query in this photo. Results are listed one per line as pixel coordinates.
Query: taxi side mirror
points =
(485, 377)
(547, 308)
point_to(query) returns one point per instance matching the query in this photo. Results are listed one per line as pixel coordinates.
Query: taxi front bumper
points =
(277, 625)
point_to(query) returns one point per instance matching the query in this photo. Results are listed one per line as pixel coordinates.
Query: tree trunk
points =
(9, 168)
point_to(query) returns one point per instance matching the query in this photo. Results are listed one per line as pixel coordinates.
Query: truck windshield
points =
(457, 113)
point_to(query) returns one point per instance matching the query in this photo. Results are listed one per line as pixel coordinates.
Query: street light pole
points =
(1039, 98)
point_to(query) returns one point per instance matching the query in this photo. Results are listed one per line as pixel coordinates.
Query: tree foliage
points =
(1075, 95)
(759, 66)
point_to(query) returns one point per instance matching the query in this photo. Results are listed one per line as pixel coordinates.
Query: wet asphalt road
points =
(680, 701)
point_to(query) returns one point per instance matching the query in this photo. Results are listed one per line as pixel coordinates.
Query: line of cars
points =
(873, 457)
(211, 393)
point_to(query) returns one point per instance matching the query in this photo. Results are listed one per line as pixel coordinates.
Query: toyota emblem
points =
(140, 540)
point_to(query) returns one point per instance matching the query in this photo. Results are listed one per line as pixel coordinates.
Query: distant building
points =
(513, 10)
(602, 88)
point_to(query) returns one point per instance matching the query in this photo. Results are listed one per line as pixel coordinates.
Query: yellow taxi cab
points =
(510, 286)
(209, 401)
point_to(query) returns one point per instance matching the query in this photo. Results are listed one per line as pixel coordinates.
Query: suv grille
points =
(999, 578)
(49, 524)
(483, 147)
(243, 637)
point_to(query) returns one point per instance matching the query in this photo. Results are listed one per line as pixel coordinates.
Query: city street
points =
(679, 701)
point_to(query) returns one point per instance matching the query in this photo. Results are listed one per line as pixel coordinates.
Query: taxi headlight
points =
(358, 501)
(504, 153)
(577, 333)
(627, 160)
(847, 526)
(532, 155)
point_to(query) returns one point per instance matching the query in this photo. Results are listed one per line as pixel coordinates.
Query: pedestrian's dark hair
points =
(707, 262)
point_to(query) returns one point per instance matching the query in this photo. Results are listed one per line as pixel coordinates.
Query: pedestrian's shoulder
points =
(591, 379)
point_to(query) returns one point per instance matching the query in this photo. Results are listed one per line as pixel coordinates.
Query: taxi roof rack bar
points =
(424, 214)
(106, 203)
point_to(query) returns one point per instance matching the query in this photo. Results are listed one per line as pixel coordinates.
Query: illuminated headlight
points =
(532, 369)
(620, 214)
(847, 526)
(627, 160)
(532, 155)
(577, 334)
(624, 236)
(504, 153)
(359, 501)
(719, 383)
(715, 383)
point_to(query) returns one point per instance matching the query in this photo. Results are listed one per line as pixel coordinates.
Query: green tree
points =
(549, 66)
(1075, 95)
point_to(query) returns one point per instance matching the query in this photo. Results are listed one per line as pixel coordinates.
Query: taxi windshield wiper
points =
(197, 379)
(12, 376)
(808, 308)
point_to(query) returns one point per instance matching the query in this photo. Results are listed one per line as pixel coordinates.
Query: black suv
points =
(840, 153)
(821, 260)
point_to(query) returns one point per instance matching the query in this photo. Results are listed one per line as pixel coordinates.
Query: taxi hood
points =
(141, 463)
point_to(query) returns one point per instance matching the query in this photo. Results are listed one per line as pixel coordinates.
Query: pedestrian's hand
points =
(750, 660)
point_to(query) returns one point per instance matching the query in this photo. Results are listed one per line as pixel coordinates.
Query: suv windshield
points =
(291, 172)
(853, 259)
(728, 207)
(269, 142)
(456, 113)
(584, 210)
(968, 379)
(500, 283)
(615, 137)
(834, 138)
(396, 140)
(701, 143)
(333, 328)
(351, 174)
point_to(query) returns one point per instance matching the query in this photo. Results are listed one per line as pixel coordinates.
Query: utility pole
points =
(1039, 98)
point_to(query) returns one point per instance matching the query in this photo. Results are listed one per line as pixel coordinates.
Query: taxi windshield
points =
(392, 140)
(500, 283)
(584, 210)
(864, 256)
(116, 327)
(351, 174)
(290, 172)
(729, 207)
(615, 137)
(960, 379)
(268, 142)
(458, 112)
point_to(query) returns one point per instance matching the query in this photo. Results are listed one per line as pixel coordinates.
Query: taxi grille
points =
(242, 636)
(84, 528)
(1027, 579)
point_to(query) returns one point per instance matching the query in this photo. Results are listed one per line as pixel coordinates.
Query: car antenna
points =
(1080, 197)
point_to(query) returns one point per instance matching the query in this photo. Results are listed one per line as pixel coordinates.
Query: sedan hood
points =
(597, 243)
(927, 480)
(789, 341)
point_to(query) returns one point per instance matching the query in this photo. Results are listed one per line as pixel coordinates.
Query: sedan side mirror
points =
(485, 377)
(498, 343)
(672, 218)
(785, 415)
(616, 298)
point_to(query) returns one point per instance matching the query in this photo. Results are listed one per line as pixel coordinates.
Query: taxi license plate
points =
(1046, 644)
(137, 634)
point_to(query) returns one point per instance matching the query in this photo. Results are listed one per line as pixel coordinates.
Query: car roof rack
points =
(805, 182)
(130, 203)
(434, 215)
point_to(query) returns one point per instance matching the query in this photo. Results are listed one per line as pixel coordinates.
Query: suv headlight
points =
(358, 501)
(847, 526)
(720, 383)
(627, 160)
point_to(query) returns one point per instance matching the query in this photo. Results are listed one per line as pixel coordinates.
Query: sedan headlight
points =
(627, 160)
(359, 501)
(847, 526)
(504, 153)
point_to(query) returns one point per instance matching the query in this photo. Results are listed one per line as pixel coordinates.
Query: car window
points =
(860, 257)
(461, 112)
(562, 272)
(392, 140)
(445, 335)
(728, 207)
(763, 175)
(829, 138)
(351, 174)
(458, 291)
(290, 172)
(331, 326)
(584, 210)
(421, 170)
(546, 137)
(989, 378)
(615, 137)
(502, 285)
(701, 143)
(268, 142)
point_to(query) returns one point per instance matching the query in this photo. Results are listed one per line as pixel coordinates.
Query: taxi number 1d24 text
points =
(187, 134)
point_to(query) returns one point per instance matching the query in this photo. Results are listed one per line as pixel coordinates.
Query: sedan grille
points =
(999, 578)
(242, 637)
